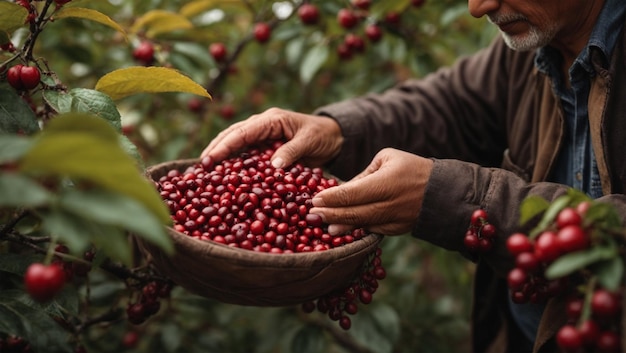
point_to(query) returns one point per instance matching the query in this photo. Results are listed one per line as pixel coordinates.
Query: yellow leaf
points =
(160, 21)
(138, 79)
(12, 16)
(197, 7)
(89, 14)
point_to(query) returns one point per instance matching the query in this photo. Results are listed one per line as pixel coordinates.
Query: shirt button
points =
(579, 176)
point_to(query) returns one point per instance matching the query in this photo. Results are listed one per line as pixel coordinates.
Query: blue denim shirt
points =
(576, 164)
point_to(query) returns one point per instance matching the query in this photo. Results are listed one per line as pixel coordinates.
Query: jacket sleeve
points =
(456, 112)
(456, 188)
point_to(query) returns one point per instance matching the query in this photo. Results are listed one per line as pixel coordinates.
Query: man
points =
(539, 110)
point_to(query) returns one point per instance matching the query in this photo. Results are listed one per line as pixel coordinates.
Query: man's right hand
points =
(314, 140)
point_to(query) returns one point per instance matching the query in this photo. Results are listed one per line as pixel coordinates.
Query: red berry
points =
(589, 332)
(605, 304)
(130, 339)
(574, 308)
(345, 322)
(195, 104)
(44, 282)
(61, 2)
(308, 13)
(478, 217)
(13, 76)
(516, 278)
(572, 238)
(568, 216)
(547, 247)
(262, 32)
(144, 53)
(471, 241)
(354, 42)
(365, 296)
(569, 339)
(582, 208)
(608, 342)
(362, 4)
(392, 18)
(527, 262)
(373, 33)
(488, 231)
(227, 111)
(347, 19)
(418, 3)
(218, 51)
(518, 243)
(30, 77)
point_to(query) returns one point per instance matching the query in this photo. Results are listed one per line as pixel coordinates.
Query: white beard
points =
(535, 38)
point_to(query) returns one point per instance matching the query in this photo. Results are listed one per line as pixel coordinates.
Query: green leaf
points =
(86, 148)
(89, 14)
(82, 100)
(67, 228)
(15, 114)
(17, 263)
(35, 326)
(12, 17)
(548, 217)
(313, 61)
(196, 7)
(20, 191)
(610, 273)
(119, 211)
(367, 332)
(309, 339)
(79, 233)
(133, 80)
(156, 22)
(531, 207)
(387, 320)
(575, 261)
(13, 147)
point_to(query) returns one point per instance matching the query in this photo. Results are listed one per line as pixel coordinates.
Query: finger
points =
(339, 229)
(368, 189)
(289, 152)
(241, 134)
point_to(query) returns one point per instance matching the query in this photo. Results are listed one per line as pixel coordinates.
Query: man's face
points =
(530, 24)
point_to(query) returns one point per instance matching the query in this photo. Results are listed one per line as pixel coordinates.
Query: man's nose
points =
(479, 8)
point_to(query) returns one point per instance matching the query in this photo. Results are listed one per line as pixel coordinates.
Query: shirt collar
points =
(603, 37)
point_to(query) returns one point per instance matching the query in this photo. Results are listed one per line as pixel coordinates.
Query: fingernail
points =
(277, 162)
(334, 229)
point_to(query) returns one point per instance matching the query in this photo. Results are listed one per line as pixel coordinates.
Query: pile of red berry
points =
(246, 203)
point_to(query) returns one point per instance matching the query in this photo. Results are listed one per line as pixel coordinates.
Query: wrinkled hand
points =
(314, 140)
(386, 198)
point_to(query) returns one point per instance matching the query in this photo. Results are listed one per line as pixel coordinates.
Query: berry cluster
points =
(245, 202)
(148, 303)
(532, 256)
(480, 234)
(596, 332)
(23, 77)
(592, 311)
(338, 304)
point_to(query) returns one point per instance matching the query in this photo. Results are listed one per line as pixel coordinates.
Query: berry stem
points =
(589, 289)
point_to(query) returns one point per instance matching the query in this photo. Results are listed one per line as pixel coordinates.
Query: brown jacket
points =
(493, 127)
